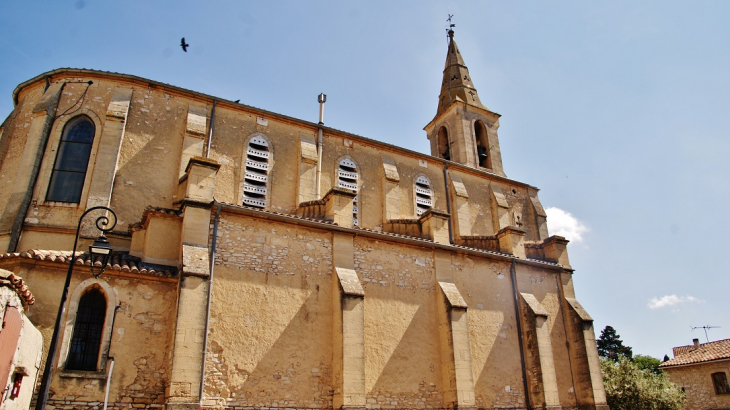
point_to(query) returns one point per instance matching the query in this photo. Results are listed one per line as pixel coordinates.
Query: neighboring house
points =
(264, 261)
(702, 371)
(21, 344)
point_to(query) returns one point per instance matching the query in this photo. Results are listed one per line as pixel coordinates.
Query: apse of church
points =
(263, 261)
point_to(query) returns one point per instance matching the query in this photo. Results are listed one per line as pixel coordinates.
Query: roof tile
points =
(15, 282)
(121, 261)
(704, 353)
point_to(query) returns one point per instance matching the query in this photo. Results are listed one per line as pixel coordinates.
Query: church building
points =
(267, 262)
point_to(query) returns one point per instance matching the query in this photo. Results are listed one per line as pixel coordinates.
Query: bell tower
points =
(463, 130)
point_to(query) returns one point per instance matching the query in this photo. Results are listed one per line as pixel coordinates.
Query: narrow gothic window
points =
(72, 160)
(443, 144)
(347, 178)
(256, 176)
(86, 341)
(424, 195)
(719, 379)
(480, 134)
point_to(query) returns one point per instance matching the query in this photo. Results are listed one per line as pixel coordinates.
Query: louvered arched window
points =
(84, 349)
(72, 160)
(347, 178)
(256, 177)
(424, 195)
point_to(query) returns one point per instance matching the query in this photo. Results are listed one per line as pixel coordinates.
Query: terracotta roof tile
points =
(704, 353)
(121, 261)
(15, 282)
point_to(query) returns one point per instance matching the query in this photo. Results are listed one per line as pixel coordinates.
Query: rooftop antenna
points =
(450, 28)
(705, 328)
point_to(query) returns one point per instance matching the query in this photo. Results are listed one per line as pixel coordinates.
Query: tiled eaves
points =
(706, 352)
(234, 105)
(121, 262)
(16, 283)
(326, 224)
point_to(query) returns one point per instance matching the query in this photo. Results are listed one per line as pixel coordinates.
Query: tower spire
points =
(463, 130)
(456, 85)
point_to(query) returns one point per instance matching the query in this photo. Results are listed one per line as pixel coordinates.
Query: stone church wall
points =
(140, 338)
(270, 342)
(423, 323)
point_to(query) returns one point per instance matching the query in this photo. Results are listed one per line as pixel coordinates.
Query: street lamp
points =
(99, 251)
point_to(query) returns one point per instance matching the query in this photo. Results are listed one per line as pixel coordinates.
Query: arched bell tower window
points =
(482, 142)
(256, 177)
(347, 178)
(88, 330)
(424, 195)
(444, 148)
(72, 161)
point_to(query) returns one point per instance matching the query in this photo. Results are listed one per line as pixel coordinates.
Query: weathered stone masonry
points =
(447, 293)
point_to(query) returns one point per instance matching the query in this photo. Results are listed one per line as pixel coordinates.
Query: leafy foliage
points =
(631, 388)
(611, 346)
(649, 363)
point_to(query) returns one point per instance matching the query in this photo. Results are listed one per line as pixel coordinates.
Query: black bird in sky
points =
(183, 45)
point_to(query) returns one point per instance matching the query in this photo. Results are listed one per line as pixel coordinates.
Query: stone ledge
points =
(81, 374)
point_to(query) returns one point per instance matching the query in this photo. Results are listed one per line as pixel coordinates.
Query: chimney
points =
(696, 342)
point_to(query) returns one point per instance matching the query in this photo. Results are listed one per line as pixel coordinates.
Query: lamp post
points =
(99, 249)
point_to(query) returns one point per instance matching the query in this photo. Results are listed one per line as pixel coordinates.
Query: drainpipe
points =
(210, 129)
(17, 227)
(111, 359)
(108, 379)
(448, 202)
(321, 98)
(210, 295)
(513, 275)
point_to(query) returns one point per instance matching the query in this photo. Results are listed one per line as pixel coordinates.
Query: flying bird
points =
(184, 45)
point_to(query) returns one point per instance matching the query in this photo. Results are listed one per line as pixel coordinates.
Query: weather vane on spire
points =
(450, 28)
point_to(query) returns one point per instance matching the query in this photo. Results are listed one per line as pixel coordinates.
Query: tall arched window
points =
(72, 160)
(347, 178)
(480, 134)
(256, 177)
(84, 350)
(443, 144)
(424, 195)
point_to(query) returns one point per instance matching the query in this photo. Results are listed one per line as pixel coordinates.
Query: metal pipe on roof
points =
(210, 129)
(321, 99)
(448, 202)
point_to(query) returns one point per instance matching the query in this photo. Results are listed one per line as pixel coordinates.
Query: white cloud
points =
(563, 223)
(670, 300)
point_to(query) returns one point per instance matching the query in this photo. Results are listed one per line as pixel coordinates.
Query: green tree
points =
(611, 346)
(649, 363)
(630, 388)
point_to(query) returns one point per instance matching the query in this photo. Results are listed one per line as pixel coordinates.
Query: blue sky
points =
(617, 111)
